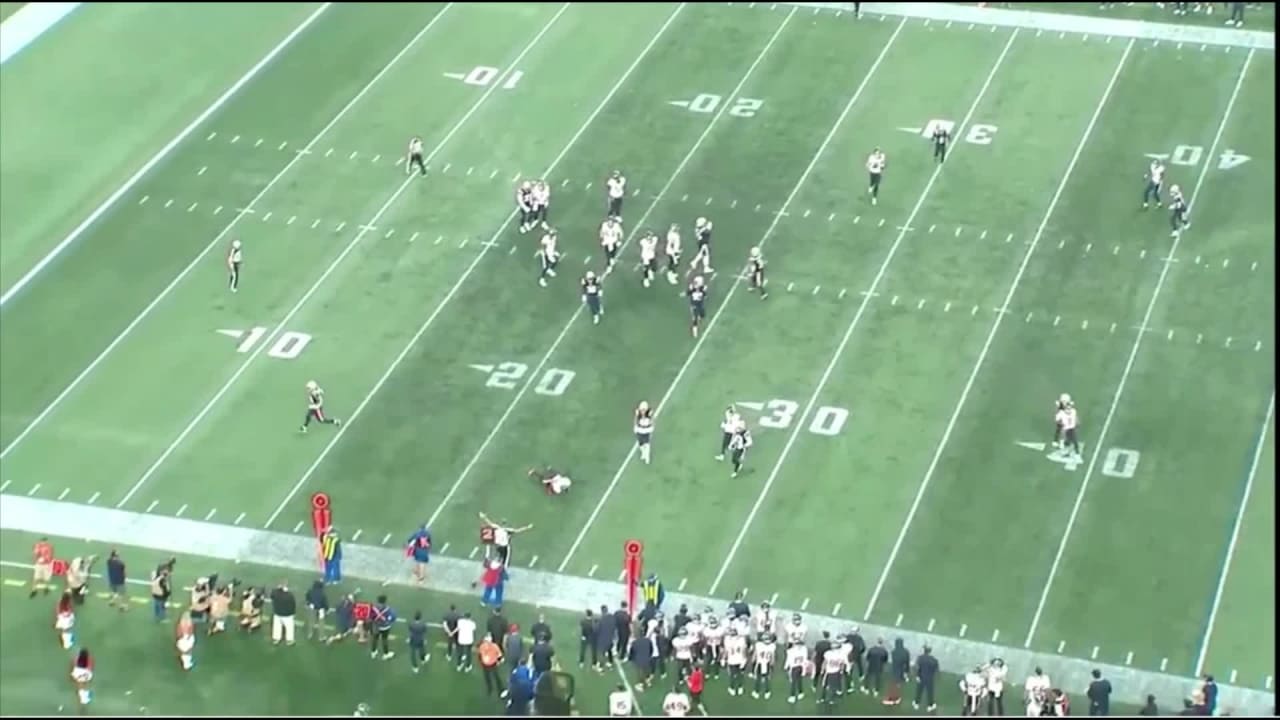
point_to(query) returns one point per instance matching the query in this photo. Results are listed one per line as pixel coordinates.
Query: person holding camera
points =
(201, 598)
(251, 610)
(161, 589)
(220, 607)
(284, 609)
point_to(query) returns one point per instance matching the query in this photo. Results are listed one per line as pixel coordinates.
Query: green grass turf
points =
(9, 8)
(136, 672)
(443, 440)
(66, 150)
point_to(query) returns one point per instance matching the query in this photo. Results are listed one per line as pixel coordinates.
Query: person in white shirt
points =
(676, 704)
(502, 535)
(996, 674)
(1036, 692)
(735, 658)
(796, 664)
(621, 703)
(466, 640)
(974, 686)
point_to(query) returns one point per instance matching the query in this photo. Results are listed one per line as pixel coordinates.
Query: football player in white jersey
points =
(524, 203)
(621, 703)
(875, 169)
(974, 687)
(713, 645)
(644, 431)
(414, 157)
(1065, 421)
(315, 407)
(616, 189)
(763, 653)
(673, 251)
(702, 233)
(541, 201)
(1036, 692)
(735, 658)
(676, 703)
(1155, 179)
(996, 672)
(797, 665)
(548, 256)
(611, 239)
(835, 667)
(765, 619)
(648, 257)
(796, 632)
(234, 257)
(732, 423)
(682, 650)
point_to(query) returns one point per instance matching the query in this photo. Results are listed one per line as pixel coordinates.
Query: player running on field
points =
(697, 303)
(1178, 212)
(648, 258)
(616, 189)
(1155, 179)
(524, 203)
(875, 168)
(644, 431)
(592, 294)
(702, 234)
(673, 251)
(414, 158)
(548, 256)
(755, 271)
(1065, 422)
(315, 407)
(234, 258)
(611, 239)
(553, 482)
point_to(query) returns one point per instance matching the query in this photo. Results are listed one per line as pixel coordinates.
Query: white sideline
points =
(387, 565)
(364, 230)
(853, 324)
(1100, 443)
(991, 335)
(564, 332)
(1235, 537)
(1063, 22)
(657, 411)
(161, 154)
(146, 311)
(28, 23)
(422, 329)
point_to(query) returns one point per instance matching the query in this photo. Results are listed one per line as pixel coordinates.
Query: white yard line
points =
(853, 324)
(995, 327)
(466, 273)
(702, 337)
(1100, 443)
(1235, 537)
(279, 328)
(160, 155)
(217, 240)
(564, 332)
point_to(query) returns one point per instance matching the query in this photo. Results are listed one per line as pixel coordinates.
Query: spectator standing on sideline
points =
(520, 691)
(418, 655)
(317, 608)
(622, 630)
(877, 658)
(1150, 709)
(161, 589)
(284, 609)
(513, 647)
(466, 641)
(116, 581)
(418, 549)
(1210, 690)
(644, 657)
(496, 625)
(450, 622)
(383, 618)
(857, 649)
(78, 578)
(1099, 694)
(899, 666)
(606, 631)
(541, 628)
(820, 649)
(926, 677)
(542, 657)
(490, 656)
(587, 639)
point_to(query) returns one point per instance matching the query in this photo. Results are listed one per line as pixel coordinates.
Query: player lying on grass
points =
(553, 482)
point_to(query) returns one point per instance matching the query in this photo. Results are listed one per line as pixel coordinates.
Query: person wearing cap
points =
(493, 578)
(490, 656)
(331, 551)
(514, 646)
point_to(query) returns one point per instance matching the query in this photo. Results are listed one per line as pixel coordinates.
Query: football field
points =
(898, 380)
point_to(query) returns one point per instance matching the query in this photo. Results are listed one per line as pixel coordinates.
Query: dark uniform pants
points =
(492, 680)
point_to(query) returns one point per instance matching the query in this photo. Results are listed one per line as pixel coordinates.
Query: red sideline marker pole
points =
(633, 562)
(321, 521)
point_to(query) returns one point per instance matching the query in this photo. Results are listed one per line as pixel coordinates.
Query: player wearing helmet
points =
(315, 407)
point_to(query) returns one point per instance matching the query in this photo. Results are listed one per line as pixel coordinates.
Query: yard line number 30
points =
(827, 420)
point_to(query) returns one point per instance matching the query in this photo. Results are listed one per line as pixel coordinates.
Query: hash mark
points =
(239, 519)
(1009, 237)
(565, 183)
(386, 538)
(974, 311)
(1257, 346)
(259, 143)
(881, 222)
(192, 207)
(622, 576)
(1094, 655)
(1057, 319)
(297, 527)
(358, 533)
(586, 260)
(842, 292)
(1113, 328)
(1115, 250)
(832, 217)
(211, 514)
(983, 236)
(1164, 663)
(733, 204)
(515, 177)
(963, 629)
(292, 219)
(1232, 679)
(283, 145)
(1199, 338)
(474, 550)
(804, 605)
(836, 610)
(327, 154)
(684, 198)
(592, 571)
(235, 139)
(1225, 261)
(958, 231)
(1062, 644)
(144, 199)
(921, 305)
(1028, 317)
(462, 244)
(315, 224)
(816, 288)
(898, 622)
(931, 622)
(894, 301)
(1228, 343)
(947, 307)
(439, 239)
(995, 636)
(1088, 247)
(340, 226)
(181, 510)
(683, 582)
(446, 167)
(533, 561)
(709, 202)
(390, 232)
(266, 217)
(1253, 267)
(1128, 659)
(150, 507)
(493, 174)
(1171, 336)
(212, 135)
(513, 250)
(353, 155)
(588, 187)
(790, 286)
(1084, 325)
(168, 202)
(773, 600)
(1062, 244)
(757, 208)
(92, 498)
(65, 492)
(1197, 259)
(856, 218)
(202, 169)
(376, 158)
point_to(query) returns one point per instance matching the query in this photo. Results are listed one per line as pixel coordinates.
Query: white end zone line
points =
(995, 327)
(161, 154)
(853, 324)
(617, 476)
(564, 332)
(1235, 537)
(213, 243)
(364, 230)
(573, 141)
(1128, 366)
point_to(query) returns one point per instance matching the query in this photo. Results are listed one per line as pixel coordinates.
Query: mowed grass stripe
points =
(1100, 443)
(217, 241)
(853, 324)
(280, 508)
(363, 230)
(995, 327)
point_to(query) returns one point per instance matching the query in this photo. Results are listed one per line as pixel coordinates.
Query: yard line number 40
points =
(1117, 463)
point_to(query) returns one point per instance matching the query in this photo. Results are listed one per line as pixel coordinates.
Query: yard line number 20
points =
(827, 420)
(554, 381)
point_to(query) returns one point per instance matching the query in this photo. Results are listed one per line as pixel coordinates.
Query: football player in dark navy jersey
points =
(524, 202)
(315, 407)
(697, 303)
(755, 271)
(941, 139)
(1178, 220)
(591, 295)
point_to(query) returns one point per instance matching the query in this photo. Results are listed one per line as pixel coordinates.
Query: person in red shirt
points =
(42, 564)
(696, 681)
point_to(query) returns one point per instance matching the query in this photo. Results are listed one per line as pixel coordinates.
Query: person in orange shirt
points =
(490, 656)
(696, 682)
(42, 574)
